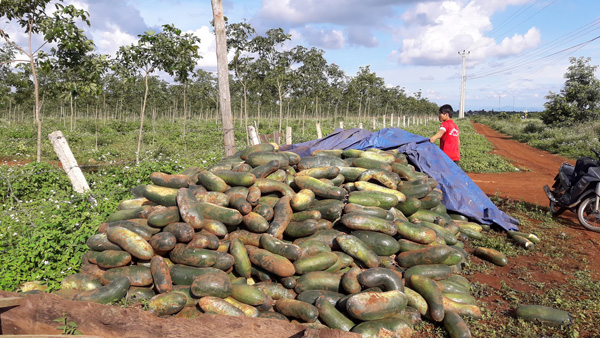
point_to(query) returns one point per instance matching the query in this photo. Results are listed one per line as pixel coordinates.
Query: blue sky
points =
(518, 49)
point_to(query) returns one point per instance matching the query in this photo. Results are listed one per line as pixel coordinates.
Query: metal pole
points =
(461, 112)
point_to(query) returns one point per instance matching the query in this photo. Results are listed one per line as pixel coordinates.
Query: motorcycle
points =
(577, 189)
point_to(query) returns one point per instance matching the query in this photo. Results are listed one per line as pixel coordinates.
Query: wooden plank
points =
(10, 301)
(263, 139)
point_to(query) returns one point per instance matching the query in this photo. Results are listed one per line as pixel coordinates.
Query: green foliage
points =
(503, 116)
(571, 141)
(44, 225)
(169, 50)
(579, 100)
(68, 327)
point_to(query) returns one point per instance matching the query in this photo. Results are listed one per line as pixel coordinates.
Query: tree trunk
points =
(246, 113)
(303, 119)
(96, 126)
(72, 111)
(287, 117)
(347, 109)
(359, 107)
(184, 112)
(36, 91)
(280, 105)
(139, 145)
(223, 76)
(258, 126)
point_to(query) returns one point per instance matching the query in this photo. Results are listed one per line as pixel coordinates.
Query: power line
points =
(556, 43)
(521, 65)
(505, 22)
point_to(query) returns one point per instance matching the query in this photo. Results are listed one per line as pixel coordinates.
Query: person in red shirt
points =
(448, 134)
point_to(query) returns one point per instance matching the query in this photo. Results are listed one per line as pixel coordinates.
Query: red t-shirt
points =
(449, 142)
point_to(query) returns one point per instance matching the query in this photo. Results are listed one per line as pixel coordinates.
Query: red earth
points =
(537, 168)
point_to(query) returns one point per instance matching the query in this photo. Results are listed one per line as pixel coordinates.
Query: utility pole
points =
(461, 111)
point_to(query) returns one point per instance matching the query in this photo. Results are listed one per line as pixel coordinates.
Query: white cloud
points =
(208, 48)
(108, 41)
(332, 39)
(434, 32)
(355, 18)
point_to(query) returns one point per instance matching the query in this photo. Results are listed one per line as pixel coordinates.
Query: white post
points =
(360, 125)
(374, 124)
(288, 135)
(403, 121)
(342, 124)
(253, 136)
(392, 120)
(383, 121)
(319, 134)
(69, 164)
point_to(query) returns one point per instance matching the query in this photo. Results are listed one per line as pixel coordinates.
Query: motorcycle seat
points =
(567, 174)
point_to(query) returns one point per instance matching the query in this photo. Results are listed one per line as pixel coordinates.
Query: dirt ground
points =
(537, 168)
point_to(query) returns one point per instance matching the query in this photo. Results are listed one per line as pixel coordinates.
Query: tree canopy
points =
(579, 100)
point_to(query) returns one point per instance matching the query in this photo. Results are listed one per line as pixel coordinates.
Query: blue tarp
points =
(460, 193)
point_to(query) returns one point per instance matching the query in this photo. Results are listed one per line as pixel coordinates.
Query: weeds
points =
(68, 327)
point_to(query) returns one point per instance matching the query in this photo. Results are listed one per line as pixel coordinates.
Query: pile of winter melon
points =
(352, 240)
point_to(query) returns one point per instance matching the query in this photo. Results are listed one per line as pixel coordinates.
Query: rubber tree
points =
(275, 66)
(184, 66)
(7, 54)
(239, 40)
(81, 78)
(311, 74)
(204, 87)
(156, 51)
(337, 83)
(365, 85)
(58, 26)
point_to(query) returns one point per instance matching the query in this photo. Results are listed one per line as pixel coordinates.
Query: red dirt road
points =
(537, 168)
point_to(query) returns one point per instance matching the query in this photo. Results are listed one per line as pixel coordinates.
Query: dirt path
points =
(538, 168)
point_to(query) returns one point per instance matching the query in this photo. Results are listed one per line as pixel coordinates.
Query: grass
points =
(572, 142)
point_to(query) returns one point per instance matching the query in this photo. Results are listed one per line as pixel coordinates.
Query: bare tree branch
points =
(12, 43)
